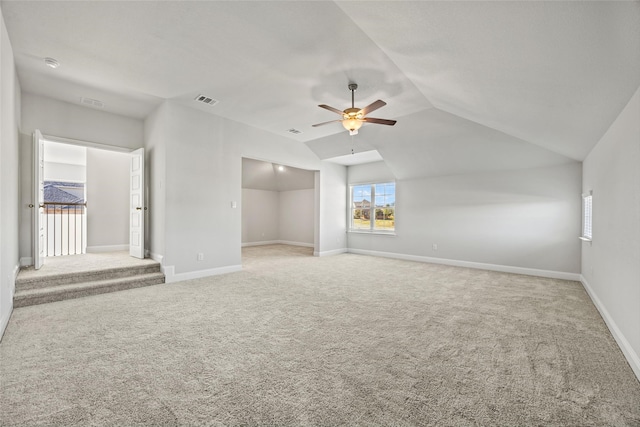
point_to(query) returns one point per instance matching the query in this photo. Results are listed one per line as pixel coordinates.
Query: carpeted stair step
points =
(61, 279)
(24, 298)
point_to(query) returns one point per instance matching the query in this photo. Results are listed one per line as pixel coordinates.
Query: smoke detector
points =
(206, 100)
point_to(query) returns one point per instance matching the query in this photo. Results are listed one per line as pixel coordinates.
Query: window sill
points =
(376, 232)
(585, 239)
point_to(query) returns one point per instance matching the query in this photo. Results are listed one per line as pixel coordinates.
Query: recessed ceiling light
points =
(281, 168)
(52, 63)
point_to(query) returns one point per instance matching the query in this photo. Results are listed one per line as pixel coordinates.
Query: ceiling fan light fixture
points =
(352, 125)
(353, 118)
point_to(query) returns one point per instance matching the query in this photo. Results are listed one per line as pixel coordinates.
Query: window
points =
(373, 207)
(587, 216)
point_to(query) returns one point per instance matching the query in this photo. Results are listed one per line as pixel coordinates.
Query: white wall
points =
(332, 197)
(107, 187)
(278, 216)
(260, 216)
(611, 263)
(9, 175)
(65, 120)
(201, 178)
(64, 162)
(296, 212)
(63, 172)
(524, 219)
(62, 119)
(155, 180)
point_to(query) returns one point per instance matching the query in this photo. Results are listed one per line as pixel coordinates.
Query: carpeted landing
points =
(341, 340)
(76, 276)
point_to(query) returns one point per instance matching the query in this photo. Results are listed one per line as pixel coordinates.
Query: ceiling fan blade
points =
(335, 110)
(372, 107)
(325, 123)
(379, 121)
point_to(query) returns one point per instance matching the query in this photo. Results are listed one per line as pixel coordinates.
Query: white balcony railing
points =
(65, 228)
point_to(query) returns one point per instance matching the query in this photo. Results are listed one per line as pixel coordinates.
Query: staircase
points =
(32, 289)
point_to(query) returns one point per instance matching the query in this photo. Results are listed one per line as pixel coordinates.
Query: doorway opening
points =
(278, 208)
(88, 197)
(65, 207)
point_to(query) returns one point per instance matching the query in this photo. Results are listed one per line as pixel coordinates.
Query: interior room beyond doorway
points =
(90, 189)
(278, 204)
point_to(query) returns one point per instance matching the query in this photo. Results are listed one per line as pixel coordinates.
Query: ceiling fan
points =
(353, 118)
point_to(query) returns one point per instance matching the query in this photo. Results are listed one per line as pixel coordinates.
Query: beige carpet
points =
(57, 265)
(342, 340)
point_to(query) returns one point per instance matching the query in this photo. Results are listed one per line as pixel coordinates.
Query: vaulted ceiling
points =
(259, 175)
(473, 85)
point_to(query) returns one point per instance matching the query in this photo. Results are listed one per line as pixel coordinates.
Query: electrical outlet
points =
(200, 256)
(434, 246)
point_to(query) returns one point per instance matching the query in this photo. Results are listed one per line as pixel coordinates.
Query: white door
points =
(38, 200)
(136, 202)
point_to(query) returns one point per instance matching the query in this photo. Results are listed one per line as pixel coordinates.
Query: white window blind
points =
(587, 216)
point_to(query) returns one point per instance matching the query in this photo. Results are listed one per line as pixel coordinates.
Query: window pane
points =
(385, 218)
(361, 193)
(385, 206)
(587, 219)
(385, 194)
(360, 208)
(361, 219)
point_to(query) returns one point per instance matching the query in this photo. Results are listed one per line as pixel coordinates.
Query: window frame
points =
(586, 233)
(372, 209)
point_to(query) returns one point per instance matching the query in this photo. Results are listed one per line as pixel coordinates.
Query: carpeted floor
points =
(341, 340)
(54, 266)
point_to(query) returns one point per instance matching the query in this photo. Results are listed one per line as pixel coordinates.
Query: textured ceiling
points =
(473, 85)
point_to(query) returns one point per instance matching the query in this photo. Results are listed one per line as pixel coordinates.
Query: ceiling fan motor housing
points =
(352, 113)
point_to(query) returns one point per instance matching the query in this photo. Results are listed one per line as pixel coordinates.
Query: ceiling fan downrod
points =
(352, 88)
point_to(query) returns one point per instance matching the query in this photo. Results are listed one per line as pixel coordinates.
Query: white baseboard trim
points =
(632, 357)
(4, 320)
(16, 270)
(469, 264)
(107, 248)
(172, 277)
(156, 257)
(262, 243)
(277, 242)
(332, 252)
(290, 243)
(26, 261)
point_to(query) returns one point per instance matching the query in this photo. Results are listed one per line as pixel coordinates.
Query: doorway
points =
(278, 204)
(65, 207)
(90, 198)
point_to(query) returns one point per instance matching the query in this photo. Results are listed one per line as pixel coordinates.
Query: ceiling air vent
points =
(206, 100)
(294, 131)
(92, 102)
